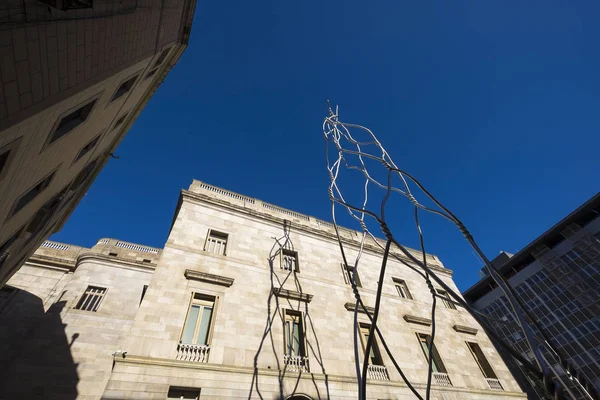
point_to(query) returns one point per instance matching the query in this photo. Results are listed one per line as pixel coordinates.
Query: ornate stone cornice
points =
(465, 329)
(417, 320)
(208, 278)
(292, 295)
(350, 307)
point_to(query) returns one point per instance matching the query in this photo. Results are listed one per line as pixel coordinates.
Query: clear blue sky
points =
(493, 105)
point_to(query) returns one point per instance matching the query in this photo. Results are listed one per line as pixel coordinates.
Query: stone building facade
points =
(74, 76)
(557, 277)
(245, 300)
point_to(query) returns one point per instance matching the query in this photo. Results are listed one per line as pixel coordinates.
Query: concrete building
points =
(74, 76)
(246, 300)
(557, 276)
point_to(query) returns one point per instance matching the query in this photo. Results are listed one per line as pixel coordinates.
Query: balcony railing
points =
(442, 379)
(494, 384)
(377, 372)
(192, 352)
(296, 363)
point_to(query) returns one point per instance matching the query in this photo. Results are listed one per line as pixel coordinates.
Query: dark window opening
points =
(32, 193)
(144, 289)
(120, 121)
(72, 121)
(83, 175)
(124, 87)
(162, 57)
(113, 254)
(86, 149)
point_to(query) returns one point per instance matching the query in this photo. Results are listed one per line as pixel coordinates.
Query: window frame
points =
(189, 390)
(79, 305)
(436, 354)
(363, 330)
(402, 288)
(445, 297)
(79, 156)
(345, 270)
(95, 99)
(49, 177)
(289, 253)
(197, 298)
(135, 77)
(485, 359)
(120, 121)
(208, 236)
(11, 148)
(289, 316)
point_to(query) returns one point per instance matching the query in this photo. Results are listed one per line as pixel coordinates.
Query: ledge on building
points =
(292, 295)
(350, 307)
(417, 320)
(209, 278)
(465, 329)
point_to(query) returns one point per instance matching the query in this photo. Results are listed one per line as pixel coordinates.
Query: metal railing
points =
(192, 352)
(296, 363)
(442, 379)
(494, 384)
(378, 372)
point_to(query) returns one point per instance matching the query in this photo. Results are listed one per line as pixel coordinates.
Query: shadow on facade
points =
(35, 352)
(275, 315)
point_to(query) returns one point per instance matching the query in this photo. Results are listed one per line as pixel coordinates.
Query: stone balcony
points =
(378, 372)
(296, 363)
(494, 384)
(441, 379)
(192, 352)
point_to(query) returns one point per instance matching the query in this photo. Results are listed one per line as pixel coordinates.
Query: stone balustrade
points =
(494, 384)
(296, 363)
(378, 372)
(192, 352)
(442, 379)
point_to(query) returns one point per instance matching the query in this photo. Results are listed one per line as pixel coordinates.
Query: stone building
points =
(245, 300)
(74, 76)
(557, 277)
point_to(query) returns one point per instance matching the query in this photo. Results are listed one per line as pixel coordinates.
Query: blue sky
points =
(492, 105)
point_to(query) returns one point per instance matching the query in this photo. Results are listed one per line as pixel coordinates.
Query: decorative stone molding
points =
(465, 329)
(209, 278)
(292, 295)
(417, 320)
(350, 307)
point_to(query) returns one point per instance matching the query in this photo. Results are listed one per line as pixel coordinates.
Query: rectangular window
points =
(162, 57)
(83, 175)
(402, 288)
(437, 364)
(91, 299)
(374, 356)
(144, 289)
(32, 193)
(86, 149)
(179, 393)
(198, 323)
(120, 121)
(348, 269)
(124, 87)
(7, 154)
(446, 299)
(289, 260)
(72, 121)
(293, 334)
(481, 361)
(216, 242)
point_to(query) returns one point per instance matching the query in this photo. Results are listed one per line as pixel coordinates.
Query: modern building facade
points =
(74, 76)
(245, 300)
(557, 277)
